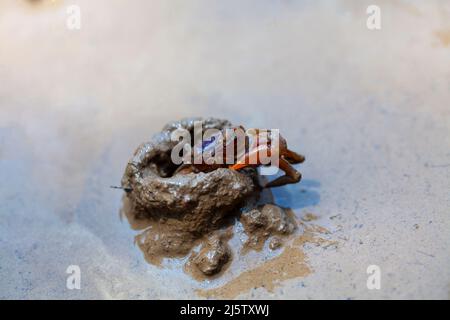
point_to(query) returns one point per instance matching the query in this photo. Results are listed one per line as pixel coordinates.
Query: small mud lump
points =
(264, 221)
(214, 254)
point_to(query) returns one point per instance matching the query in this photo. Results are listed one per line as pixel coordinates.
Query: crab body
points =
(232, 149)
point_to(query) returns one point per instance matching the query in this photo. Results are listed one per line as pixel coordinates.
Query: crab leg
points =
(238, 166)
(252, 155)
(293, 157)
(246, 162)
(243, 164)
(291, 176)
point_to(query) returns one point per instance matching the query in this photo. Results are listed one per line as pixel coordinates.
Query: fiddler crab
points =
(257, 143)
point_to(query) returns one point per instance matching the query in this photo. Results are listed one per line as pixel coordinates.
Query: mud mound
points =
(195, 202)
(186, 210)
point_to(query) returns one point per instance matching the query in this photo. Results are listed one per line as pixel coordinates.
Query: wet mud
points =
(192, 214)
(265, 221)
(289, 264)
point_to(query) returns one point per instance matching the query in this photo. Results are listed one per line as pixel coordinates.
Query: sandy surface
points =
(369, 109)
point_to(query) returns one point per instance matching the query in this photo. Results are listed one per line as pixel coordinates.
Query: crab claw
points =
(293, 157)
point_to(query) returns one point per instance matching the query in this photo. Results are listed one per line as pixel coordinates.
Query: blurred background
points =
(369, 109)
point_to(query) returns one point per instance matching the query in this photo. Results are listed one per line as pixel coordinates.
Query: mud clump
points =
(214, 254)
(265, 221)
(275, 243)
(187, 210)
(212, 257)
(158, 242)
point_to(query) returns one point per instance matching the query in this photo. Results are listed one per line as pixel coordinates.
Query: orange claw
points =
(238, 166)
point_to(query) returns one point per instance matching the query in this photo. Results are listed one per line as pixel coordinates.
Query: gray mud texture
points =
(265, 221)
(184, 211)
